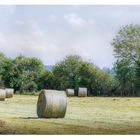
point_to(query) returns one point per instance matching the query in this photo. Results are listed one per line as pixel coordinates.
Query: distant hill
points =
(49, 67)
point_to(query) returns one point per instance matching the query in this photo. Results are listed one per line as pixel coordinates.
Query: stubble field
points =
(88, 115)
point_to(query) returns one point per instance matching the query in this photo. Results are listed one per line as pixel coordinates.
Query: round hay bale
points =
(70, 92)
(2, 95)
(51, 104)
(82, 92)
(9, 92)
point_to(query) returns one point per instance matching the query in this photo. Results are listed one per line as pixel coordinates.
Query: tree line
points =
(26, 74)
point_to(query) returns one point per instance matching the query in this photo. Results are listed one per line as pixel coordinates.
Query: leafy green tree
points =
(73, 72)
(3, 60)
(66, 71)
(26, 73)
(127, 52)
(98, 82)
(87, 77)
(22, 73)
(46, 80)
(8, 74)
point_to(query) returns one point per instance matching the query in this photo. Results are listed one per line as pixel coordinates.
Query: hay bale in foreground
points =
(2, 95)
(70, 92)
(9, 92)
(82, 92)
(52, 104)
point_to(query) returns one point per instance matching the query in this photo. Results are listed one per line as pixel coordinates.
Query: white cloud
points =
(92, 43)
(7, 9)
(2, 39)
(52, 18)
(29, 39)
(75, 20)
(51, 36)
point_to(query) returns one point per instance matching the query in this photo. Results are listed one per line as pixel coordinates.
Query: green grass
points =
(88, 115)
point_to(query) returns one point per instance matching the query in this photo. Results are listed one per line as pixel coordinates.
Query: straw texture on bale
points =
(82, 92)
(2, 94)
(52, 104)
(70, 92)
(9, 92)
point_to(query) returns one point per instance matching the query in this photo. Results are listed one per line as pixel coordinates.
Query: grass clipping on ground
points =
(51, 104)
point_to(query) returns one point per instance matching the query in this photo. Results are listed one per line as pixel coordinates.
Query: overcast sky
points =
(52, 32)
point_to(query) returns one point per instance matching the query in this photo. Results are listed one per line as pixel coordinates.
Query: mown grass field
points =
(88, 115)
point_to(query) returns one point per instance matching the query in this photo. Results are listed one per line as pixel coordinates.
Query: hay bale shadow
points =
(28, 118)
